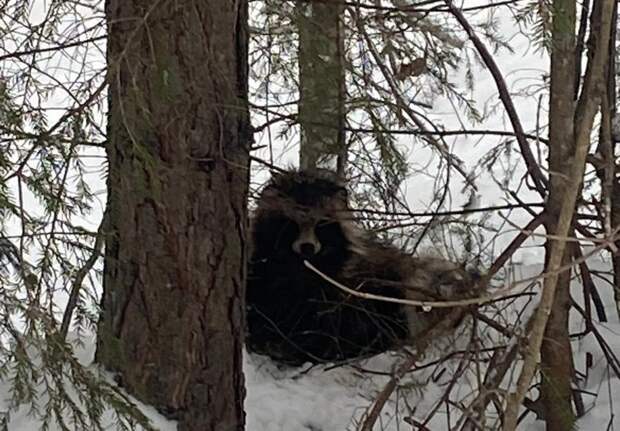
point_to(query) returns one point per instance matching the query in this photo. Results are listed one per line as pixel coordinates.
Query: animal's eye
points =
(288, 232)
(327, 228)
(324, 221)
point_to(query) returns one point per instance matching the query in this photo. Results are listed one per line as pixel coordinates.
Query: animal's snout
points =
(307, 249)
(307, 244)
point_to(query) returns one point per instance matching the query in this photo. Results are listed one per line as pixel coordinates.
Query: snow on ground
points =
(21, 419)
(334, 398)
(326, 398)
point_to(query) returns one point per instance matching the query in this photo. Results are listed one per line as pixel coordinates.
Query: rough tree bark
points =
(321, 84)
(606, 168)
(556, 357)
(611, 168)
(172, 321)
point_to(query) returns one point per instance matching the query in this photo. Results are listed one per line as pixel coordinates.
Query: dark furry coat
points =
(293, 314)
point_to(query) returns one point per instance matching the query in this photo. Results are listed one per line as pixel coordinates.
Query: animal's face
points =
(317, 237)
(309, 232)
(306, 216)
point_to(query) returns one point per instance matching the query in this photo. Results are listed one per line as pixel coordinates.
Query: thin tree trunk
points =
(172, 321)
(585, 111)
(610, 161)
(556, 357)
(321, 84)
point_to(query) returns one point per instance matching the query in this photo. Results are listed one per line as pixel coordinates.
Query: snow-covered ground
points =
(335, 398)
(325, 398)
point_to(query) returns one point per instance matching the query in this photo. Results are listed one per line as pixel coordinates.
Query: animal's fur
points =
(294, 315)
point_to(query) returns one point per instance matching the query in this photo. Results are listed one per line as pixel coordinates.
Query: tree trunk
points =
(321, 84)
(610, 159)
(172, 320)
(556, 354)
(606, 168)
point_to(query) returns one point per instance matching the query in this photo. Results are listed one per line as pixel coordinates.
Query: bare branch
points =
(59, 47)
(79, 279)
(540, 181)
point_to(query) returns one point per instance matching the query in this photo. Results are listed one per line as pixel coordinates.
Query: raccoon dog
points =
(293, 314)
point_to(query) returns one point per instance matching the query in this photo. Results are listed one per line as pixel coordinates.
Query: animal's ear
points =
(276, 173)
(275, 183)
(270, 190)
(342, 193)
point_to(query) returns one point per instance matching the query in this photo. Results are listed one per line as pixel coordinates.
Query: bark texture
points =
(172, 322)
(321, 84)
(612, 178)
(606, 168)
(556, 357)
